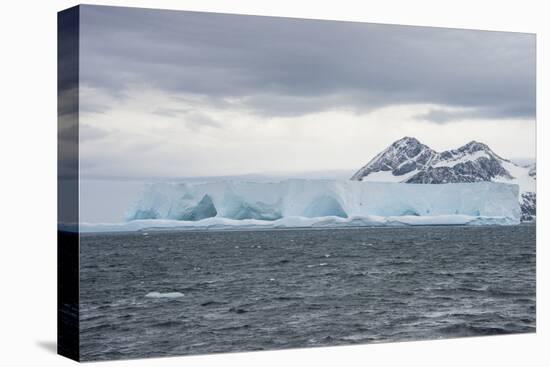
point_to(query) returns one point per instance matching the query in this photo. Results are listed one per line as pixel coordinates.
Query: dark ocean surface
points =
(176, 293)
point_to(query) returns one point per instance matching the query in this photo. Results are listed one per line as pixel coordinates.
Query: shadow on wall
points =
(48, 345)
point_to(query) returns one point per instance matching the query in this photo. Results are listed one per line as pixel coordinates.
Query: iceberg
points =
(316, 204)
(323, 198)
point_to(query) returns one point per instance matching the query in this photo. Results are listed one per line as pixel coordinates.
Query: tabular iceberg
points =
(318, 203)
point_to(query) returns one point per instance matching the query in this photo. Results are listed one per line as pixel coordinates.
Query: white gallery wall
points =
(28, 183)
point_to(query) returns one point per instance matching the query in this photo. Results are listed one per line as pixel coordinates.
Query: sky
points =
(187, 94)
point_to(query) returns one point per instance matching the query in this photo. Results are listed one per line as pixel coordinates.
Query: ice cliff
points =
(309, 202)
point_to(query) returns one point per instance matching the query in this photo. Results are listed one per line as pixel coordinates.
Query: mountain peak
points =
(474, 146)
(403, 156)
(406, 140)
(409, 161)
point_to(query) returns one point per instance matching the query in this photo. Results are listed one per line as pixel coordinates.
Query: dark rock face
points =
(528, 205)
(472, 162)
(411, 161)
(402, 157)
(533, 171)
(482, 169)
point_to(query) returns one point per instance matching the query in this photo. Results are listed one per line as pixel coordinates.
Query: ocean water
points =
(177, 293)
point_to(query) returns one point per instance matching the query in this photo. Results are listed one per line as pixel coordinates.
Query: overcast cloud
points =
(272, 63)
(185, 93)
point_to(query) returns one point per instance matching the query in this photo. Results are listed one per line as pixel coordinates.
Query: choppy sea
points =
(146, 294)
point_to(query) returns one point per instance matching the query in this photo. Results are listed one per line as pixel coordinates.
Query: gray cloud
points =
(197, 120)
(290, 67)
(88, 132)
(443, 116)
(170, 112)
(192, 118)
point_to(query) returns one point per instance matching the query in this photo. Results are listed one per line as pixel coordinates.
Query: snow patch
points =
(521, 177)
(388, 176)
(462, 159)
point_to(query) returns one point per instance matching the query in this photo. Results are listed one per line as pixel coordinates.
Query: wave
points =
(164, 295)
(471, 330)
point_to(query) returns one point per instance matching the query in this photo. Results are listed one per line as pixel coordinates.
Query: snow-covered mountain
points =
(408, 160)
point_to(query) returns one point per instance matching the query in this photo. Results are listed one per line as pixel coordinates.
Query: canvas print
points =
(239, 183)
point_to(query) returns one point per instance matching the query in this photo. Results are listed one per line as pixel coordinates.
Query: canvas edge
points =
(68, 37)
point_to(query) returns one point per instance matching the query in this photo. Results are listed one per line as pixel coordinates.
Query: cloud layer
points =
(184, 94)
(282, 67)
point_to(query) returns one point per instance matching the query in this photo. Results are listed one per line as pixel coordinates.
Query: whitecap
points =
(164, 295)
